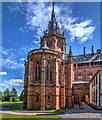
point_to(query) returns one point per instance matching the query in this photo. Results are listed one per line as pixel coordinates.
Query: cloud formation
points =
(3, 73)
(13, 82)
(37, 18)
(9, 59)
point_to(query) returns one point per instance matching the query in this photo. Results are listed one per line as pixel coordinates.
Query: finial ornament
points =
(45, 46)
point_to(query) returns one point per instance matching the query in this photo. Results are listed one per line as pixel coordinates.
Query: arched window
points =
(58, 43)
(50, 74)
(51, 43)
(36, 73)
(47, 73)
(39, 73)
(37, 98)
(48, 98)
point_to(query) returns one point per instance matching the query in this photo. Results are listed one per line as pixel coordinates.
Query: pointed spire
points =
(53, 25)
(53, 13)
(70, 52)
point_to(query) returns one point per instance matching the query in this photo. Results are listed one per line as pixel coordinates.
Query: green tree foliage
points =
(10, 96)
(6, 95)
(14, 97)
(21, 96)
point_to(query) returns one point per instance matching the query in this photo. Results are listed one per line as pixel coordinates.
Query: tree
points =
(14, 97)
(6, 95)
(21, 96)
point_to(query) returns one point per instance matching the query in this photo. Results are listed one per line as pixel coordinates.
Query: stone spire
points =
(53, 14)
(53, 24)
(70, 55)
(70, 52)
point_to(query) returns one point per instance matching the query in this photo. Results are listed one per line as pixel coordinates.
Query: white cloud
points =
(9, 59)
(24, 50)
(22, 59)
(37, 18)
(36, 42)
(3, 73)
(13, 82)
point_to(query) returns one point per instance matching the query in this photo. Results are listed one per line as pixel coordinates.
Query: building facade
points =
(96, 90)
(53, 79)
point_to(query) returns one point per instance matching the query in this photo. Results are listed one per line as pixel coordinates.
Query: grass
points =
(7, 102)
(46, 111)
(15, 108)
(31, 117)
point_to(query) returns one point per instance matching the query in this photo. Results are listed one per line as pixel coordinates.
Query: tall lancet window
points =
(39, 77)
(36, 73)
(51, 43)
(50, 74)
(58, 44)
(47, 73)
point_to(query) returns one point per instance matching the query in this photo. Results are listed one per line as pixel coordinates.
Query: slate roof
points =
(86, 58)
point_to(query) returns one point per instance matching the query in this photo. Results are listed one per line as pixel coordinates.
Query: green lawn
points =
(15, 108)
(7, 102)
(45, 111)
(25, 117)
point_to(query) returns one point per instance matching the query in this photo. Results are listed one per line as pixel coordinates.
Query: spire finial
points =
(53, 13)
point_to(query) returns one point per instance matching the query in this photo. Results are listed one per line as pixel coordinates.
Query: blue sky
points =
(24, 23)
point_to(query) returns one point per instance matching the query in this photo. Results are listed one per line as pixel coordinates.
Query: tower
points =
(69, 79)
(53, 37)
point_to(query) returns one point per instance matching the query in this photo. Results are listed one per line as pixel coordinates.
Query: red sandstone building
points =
(53, 79)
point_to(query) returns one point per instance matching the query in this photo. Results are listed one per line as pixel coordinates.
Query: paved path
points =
(72, 114)
(87, 112)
